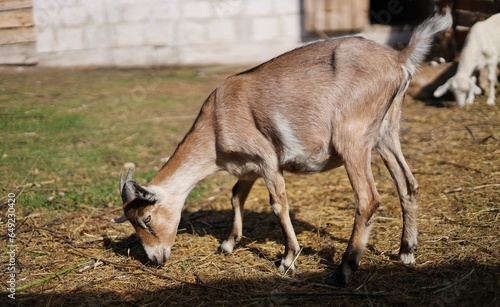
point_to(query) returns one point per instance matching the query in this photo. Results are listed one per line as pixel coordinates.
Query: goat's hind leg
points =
(240, 194)
(389, 148)
(275, 183)
(357, 165)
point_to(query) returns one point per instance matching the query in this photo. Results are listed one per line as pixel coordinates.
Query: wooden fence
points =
(17, 32)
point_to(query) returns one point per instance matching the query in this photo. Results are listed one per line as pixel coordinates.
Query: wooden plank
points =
(17, 35)
(16, 18)
(335, 15)
(468, 18)
(6, 5)
(485, 6)
(18, 54)
(309, 9)
(359, 13)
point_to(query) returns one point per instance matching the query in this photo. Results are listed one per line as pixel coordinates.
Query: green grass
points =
(65, 135)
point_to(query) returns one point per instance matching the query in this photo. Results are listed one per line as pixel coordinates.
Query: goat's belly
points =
(311, 164)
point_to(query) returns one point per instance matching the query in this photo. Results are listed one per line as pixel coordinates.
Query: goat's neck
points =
(192, 161)
(468, 60)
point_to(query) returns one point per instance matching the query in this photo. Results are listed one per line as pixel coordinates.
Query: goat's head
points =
(155, 222)
(463, 88)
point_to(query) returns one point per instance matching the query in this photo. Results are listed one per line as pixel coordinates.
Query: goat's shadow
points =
(258, 227)
(445, 101)
(425, 93)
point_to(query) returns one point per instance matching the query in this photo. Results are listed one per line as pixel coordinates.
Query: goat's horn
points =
(127, 188)
(121, 219)
(129, 174)
(128, 191)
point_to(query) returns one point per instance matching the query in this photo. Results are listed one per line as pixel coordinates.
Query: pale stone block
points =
(96, 36)
(71, 2)
(97, 12)
(127, 10)
(228, 8)
(258, 8)
(45, 39)
(47, 5)
(133, 56)
(166, 55)
(244, 29)
(167, 9)
(128, 34)
(191, 32)
(143, 56)
(290, 27)
(73, 16)
(230, 53)
(74, 58)
(197, 9)
(46, 13)
(286, 7)
(114, 11)
(69, 39)
(137, 12)
(222, 30)
(161, 33)
(265, 28)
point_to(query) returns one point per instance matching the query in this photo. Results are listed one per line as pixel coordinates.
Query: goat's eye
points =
(147, 219)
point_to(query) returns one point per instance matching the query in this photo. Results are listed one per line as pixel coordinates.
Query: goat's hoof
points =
(407, 258)
(337, 279)
(226, 247)
(284, 267)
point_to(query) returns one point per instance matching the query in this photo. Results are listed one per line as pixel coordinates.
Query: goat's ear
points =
(442, 89)
(131, 190)
(475, 89)
(143, 194)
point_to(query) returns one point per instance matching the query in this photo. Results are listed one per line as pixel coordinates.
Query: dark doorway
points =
(400, 12)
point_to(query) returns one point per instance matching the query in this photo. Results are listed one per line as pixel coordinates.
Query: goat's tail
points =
(422, 38)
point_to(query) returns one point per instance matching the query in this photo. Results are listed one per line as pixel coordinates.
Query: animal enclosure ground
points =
(66, 136)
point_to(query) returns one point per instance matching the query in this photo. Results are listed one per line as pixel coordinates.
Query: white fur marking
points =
(276, 209)
(292, 146)
(158, 191)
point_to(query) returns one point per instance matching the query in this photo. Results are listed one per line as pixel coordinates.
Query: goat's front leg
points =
(492, 78)
(360, 175)
(276, 185)
(240, 194)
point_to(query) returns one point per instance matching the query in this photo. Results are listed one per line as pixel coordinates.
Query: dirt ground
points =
(81, 259)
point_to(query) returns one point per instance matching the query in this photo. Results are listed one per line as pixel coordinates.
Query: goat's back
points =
(335, 76)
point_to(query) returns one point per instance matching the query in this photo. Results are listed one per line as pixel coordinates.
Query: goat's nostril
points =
(155, 260)
(160, 259)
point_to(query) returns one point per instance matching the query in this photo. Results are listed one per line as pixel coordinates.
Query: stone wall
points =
(163, 32)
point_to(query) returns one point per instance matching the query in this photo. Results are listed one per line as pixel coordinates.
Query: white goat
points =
(482, 48)
(309, 110)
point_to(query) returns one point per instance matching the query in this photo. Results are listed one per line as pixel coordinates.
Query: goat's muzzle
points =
(157, 254)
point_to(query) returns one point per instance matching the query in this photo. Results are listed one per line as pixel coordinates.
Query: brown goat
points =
(309, 110)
